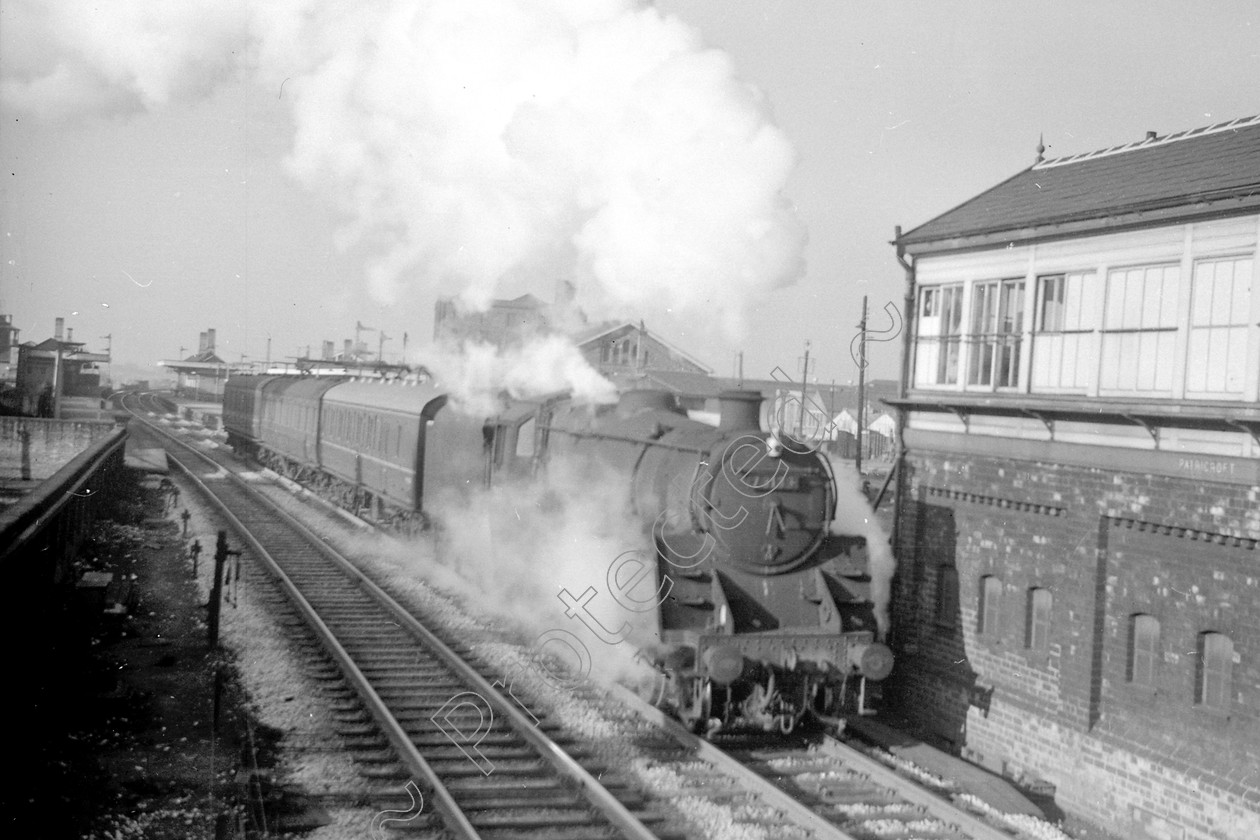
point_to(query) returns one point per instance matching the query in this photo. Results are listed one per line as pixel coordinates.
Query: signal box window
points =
(938, 336)
(1143, 649)
(1140, 329)
(1216, 665)
(989, 623)
(1037, 629)
(1217, 355)
(997, 319)
(1063, 349)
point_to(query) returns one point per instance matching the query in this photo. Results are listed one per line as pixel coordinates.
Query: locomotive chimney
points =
(740, 410)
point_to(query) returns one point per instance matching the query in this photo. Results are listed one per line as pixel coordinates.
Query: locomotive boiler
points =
(763, 616)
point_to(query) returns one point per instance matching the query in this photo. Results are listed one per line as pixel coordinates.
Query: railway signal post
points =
(221, 554)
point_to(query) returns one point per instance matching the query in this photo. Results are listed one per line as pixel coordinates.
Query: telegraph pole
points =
(861, 407)
(800, 428)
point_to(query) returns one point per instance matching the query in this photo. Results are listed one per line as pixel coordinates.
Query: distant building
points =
(8, 350)
(54, 368)
(1077, 597)
(622, 347)
(503, 323)
(613, 347)
(202, 375)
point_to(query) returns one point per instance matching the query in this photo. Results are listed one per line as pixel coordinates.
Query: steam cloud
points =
(521, 544)
(476, 374)
(470, 143)
(854, 516)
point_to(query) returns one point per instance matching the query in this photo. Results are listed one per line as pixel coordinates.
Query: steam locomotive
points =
(763, 616)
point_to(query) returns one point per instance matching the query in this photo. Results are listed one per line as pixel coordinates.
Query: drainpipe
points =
(907, 347)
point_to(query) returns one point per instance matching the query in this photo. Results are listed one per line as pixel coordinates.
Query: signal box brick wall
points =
(1107, 546)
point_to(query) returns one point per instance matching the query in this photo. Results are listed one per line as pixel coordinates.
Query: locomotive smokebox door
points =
(771, 512)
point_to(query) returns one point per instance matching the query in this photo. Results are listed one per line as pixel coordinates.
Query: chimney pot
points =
(1150, 135)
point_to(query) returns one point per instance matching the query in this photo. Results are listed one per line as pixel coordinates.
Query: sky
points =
(729, 172)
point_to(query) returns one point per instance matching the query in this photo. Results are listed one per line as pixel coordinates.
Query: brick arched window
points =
(1216, 665)
(990, 615)
(1144, 653)
(1037, 625)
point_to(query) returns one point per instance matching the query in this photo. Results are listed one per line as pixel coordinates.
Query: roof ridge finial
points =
(1041, 148)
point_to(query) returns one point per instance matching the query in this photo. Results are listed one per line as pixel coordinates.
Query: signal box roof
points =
(1206, 172)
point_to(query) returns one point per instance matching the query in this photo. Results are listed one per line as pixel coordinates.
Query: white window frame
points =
(1064, 353)
(999, 331)
(936, 339)
(1141, 330)
(1223, 323)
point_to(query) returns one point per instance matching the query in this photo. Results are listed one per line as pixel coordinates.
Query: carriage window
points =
(525, 439)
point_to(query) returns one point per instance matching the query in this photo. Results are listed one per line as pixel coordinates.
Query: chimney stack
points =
(348, 355)
(69, 333)
(328, 351)
(210, 340)
(740, 410)
(201, 343)
(61, 326)
(1150, 135)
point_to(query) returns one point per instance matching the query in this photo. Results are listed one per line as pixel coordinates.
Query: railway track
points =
(515, 780)
(413, 700)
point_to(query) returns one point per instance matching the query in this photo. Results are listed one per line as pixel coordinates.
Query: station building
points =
(1078, 510)
(203, 375)
(54, 368)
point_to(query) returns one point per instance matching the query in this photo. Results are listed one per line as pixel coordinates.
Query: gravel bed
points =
(282, 696)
